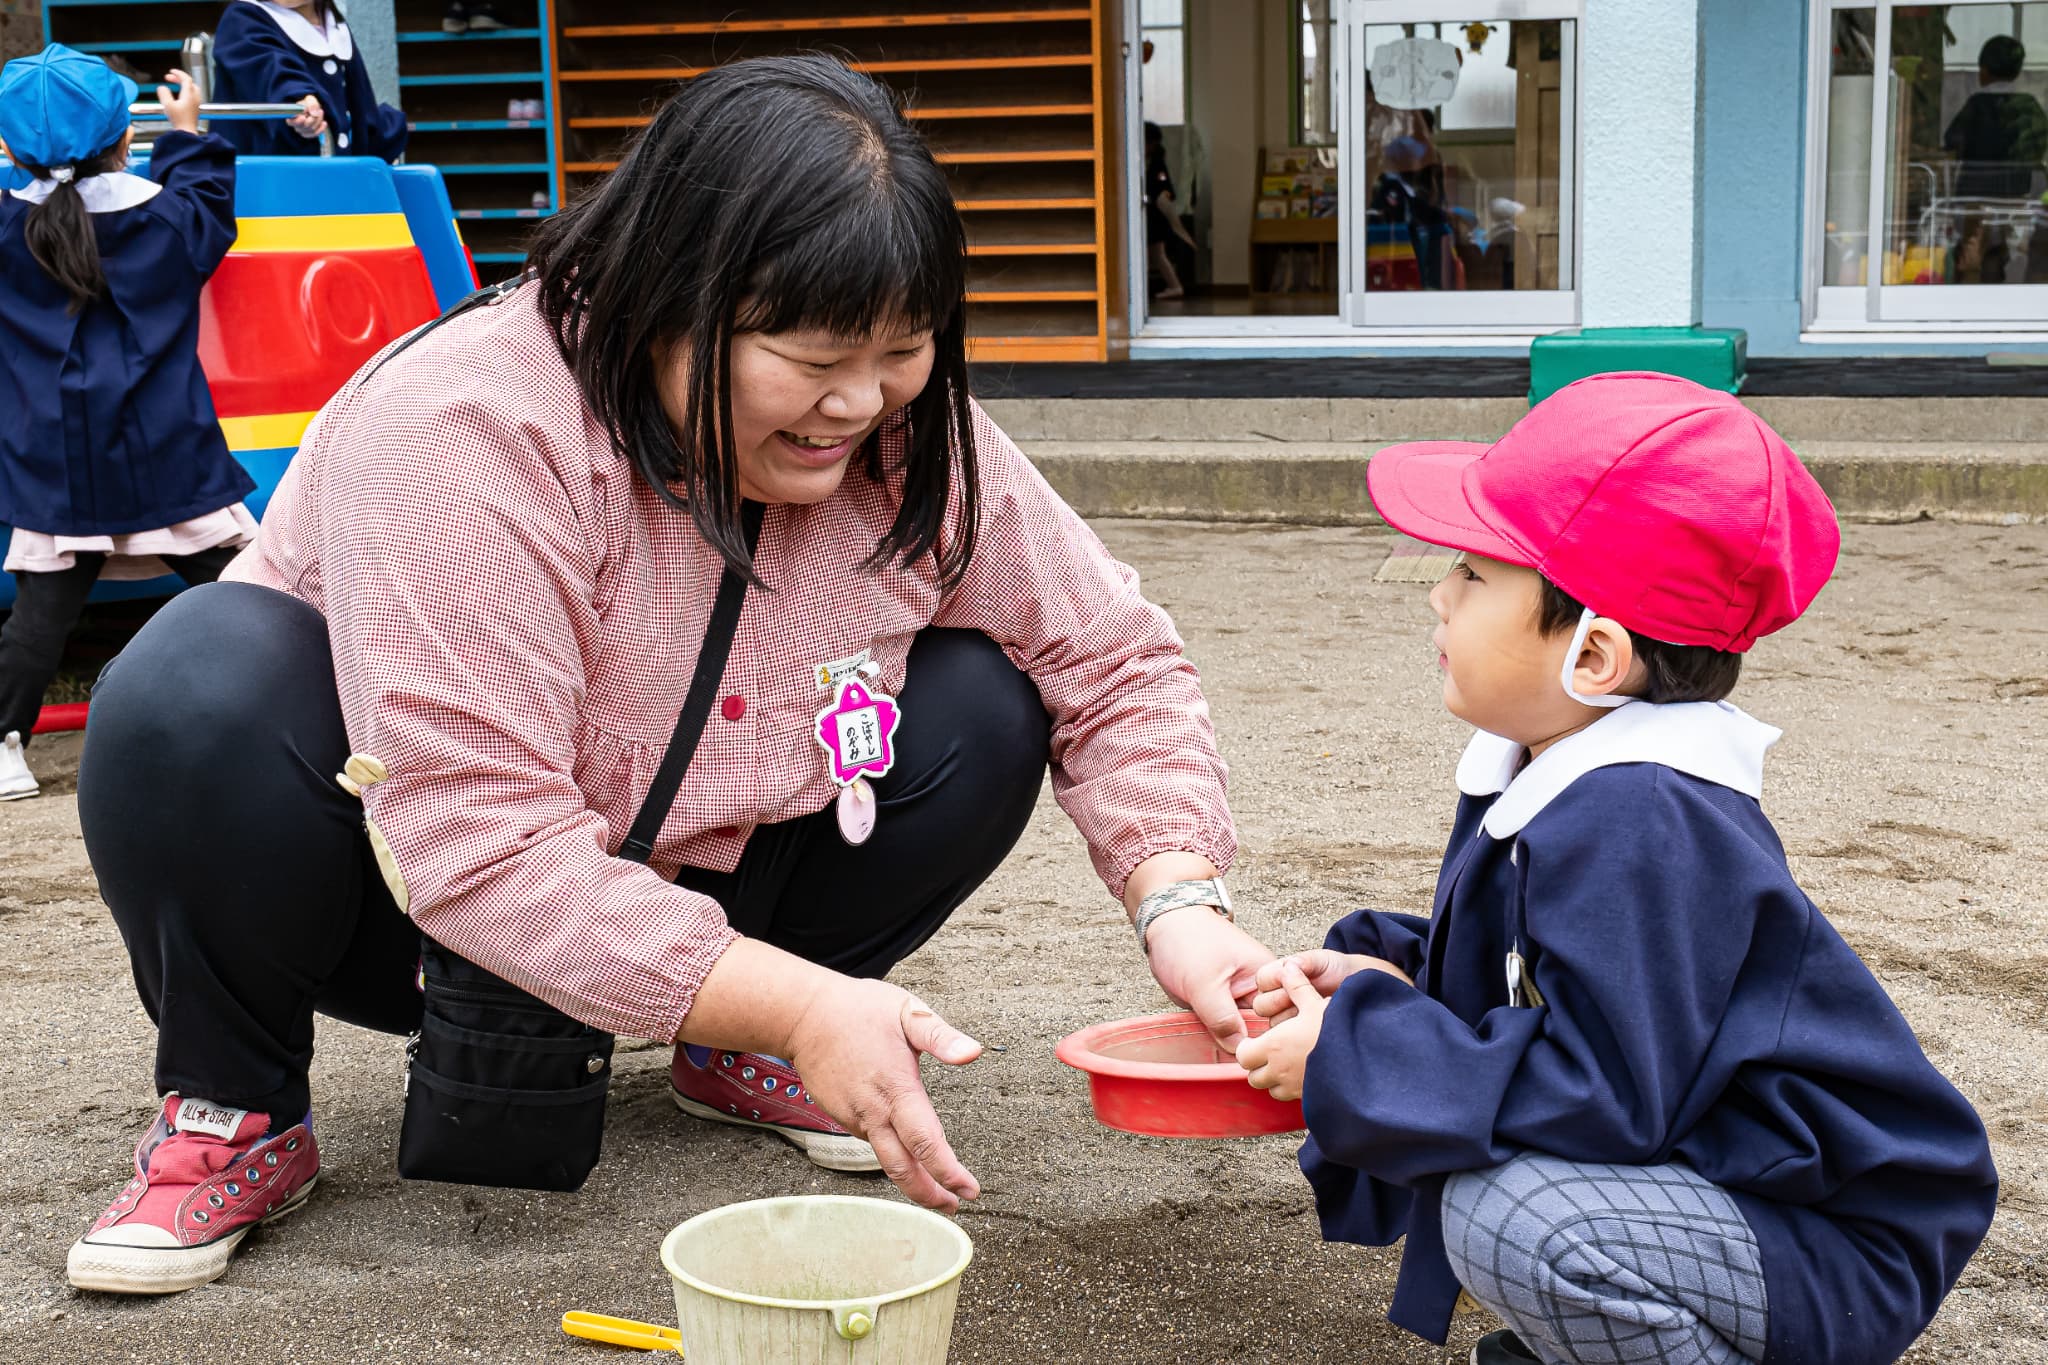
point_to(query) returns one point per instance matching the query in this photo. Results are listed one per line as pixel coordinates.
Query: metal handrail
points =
(153, 110)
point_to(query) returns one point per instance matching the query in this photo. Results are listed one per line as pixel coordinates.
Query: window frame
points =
(1874, 306)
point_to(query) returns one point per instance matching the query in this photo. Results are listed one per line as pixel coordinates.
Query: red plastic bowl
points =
(1162, 1076)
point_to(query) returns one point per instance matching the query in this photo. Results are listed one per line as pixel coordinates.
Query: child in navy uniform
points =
(300, 53)
(1627, 1086)
(111, 459)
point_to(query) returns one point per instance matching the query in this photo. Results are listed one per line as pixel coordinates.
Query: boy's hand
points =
(1323, 969)
(1277, 1059)
(180, 100)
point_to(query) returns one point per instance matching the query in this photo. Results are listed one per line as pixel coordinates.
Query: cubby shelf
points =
(831, 24)
(497, 35)
(459, 92)
(476, 78)
(475, 125)
(142, 37)
(1008, 92)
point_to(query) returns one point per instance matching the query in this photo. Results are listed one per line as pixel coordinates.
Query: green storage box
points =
(1715, 357)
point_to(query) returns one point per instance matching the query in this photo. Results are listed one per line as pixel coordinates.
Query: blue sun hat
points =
(60, 106)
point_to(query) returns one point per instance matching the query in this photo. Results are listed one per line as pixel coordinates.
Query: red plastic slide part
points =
(68, 715)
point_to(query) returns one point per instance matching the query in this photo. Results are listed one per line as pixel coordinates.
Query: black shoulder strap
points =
(682, 745)
(711, 656)
(482, 298)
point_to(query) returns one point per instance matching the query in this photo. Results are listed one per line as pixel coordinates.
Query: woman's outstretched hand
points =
(1210, 965)
(857, 1046)
(856, 1043)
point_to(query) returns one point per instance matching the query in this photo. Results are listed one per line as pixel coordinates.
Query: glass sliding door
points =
(1460, 158)
(1932, 142)
(1336, 165)
(1233, 152)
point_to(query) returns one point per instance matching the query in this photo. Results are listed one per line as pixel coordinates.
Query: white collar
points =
(1710, 740)
(331, 41)
(108, 193)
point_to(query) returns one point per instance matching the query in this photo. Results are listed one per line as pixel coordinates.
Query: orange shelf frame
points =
(1000, 205)
(934, 114)
(1005, 158)
(1031, 249)
(1018, 349)
(1031, 296)
(881, 68)
(956, 111)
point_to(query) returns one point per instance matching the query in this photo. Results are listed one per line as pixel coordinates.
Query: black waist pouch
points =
(501, 1088)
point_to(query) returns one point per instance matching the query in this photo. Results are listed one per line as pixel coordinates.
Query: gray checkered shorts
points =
(1601, 1265)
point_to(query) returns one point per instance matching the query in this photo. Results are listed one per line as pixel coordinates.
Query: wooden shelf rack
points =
(1009, 93)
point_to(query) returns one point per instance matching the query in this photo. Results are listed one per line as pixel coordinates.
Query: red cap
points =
(1659, 503)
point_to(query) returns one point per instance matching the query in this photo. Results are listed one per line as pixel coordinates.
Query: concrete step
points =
(1323, 482)
(1977, 421)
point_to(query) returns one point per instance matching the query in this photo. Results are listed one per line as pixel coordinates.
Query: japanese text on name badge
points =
(857, 731)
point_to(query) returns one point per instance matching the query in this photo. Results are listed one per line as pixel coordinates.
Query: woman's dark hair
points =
(1674, 672)
(59, 231)
(2002, 57)
(770, 195)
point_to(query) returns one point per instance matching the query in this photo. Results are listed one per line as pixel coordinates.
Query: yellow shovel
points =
(641, 1336)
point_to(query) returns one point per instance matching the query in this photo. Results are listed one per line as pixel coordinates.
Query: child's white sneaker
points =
(16, 781)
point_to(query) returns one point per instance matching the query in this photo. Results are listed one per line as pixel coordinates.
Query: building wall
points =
(1754, 181)
(1640, 196)
(376, 33)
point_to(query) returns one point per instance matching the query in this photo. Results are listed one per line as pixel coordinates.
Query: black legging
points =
(244, 885)
(46, 610)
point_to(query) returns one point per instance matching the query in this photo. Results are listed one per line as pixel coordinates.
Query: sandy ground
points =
(1909, 791)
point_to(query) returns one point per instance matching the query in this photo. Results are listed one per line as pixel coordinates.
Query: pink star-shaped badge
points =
(857, 731)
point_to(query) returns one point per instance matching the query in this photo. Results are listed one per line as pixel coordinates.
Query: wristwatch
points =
(1209, 891)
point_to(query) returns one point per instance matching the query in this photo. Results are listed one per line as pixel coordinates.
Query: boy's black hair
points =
(59, 232)
(2002, 57)
(1674, 672)
(770, 195)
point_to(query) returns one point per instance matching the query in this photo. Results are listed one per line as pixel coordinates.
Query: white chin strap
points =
(1571, 664)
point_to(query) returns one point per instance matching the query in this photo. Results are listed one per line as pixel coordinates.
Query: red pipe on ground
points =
(68, 715)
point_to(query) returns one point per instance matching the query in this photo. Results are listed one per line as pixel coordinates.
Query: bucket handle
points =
(854, 1320)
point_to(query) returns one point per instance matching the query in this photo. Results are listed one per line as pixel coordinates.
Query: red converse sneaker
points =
(753, 1091)
(204, 1175)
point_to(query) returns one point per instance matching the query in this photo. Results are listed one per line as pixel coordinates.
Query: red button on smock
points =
(734, 707)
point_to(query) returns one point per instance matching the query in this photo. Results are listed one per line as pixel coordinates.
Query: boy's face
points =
(1500, 671)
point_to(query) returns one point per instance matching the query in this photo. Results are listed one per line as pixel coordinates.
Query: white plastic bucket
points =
(813, 1279)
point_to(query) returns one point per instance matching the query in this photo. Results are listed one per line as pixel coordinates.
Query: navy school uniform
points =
(266, 54)
(110, 428)
(1682, 1001)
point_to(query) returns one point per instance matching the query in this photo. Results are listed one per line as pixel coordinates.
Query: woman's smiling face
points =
(802, 403)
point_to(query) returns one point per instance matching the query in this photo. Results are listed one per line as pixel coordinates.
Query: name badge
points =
(858, 734)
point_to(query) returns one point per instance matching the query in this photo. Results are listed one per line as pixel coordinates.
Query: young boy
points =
(1626, 1086)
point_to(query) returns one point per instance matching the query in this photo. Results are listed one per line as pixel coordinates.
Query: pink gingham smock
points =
(515, 618)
